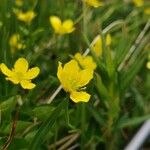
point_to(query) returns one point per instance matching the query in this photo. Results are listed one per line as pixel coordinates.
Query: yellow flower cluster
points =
(61, 27)
(75, 75)
(20, 74)
(15, 43)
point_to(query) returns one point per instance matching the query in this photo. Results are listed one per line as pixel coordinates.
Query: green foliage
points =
(119, 90)
(46, 126)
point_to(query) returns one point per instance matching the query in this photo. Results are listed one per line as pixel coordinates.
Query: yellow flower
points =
(73, 80)
(97, 46)
(15, 43)
(93, 3)
(20, 74)
(86, 62)
(26, 17)
(61, 27)
(147, 10)
(19, 2)
(148, 65)
(138, 3)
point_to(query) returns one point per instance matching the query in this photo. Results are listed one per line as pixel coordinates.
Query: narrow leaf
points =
(133, 121)
(46, 126)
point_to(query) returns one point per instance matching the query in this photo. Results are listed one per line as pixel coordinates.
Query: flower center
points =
(73, 84)
(19, 76)
(70, 84)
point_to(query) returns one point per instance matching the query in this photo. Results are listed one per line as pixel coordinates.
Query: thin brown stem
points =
(69, 142)
(64, 141)
(13, 129)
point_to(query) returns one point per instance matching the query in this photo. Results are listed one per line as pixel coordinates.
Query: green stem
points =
(81, 16)
(83, 122)
(84, 18)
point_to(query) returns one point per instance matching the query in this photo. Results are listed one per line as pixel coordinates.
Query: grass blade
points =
(47, 125)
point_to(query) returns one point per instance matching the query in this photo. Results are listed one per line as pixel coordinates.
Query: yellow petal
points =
(56, 23)
(148, 65)
(5, 70)
(68, 26)
(71, 68)
(27, 84)
(94, 3)
(89, 63)
(14, 40)
(97, 47)
(80, 96)
(59, 70)
(78, 57)
(108, 39)
(85, 62)
(147, 11)
(68, 75)
(21, 65)
(13, 79)
(30, 15)
(84, 77)
(32, 73)
(138, 3)
(26, 16)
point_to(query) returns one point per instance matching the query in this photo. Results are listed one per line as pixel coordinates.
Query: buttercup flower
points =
(20, 74)
(15, 42)
(138, 3)
(97, 47)
(60, 27)
(26, 17)
(86, 62)
(73, 79)
(93, 3)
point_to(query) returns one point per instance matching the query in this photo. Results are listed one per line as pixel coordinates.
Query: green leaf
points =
(46, 126)
(128, 76)
(124, 43)
(96, 115)
(133, 121)
(8, 104)
(110, 64)
(18, 143)
(102, 90)
(114, 108)
(21, 126)
(42, 112)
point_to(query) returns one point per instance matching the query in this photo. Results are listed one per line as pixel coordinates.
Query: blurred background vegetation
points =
(120, 89)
